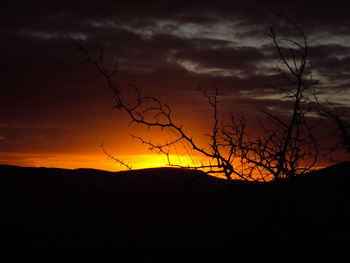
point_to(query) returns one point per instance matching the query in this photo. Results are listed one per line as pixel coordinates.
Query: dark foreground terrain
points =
(170, 208)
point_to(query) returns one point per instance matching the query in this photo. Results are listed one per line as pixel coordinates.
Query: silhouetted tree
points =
(286, 148)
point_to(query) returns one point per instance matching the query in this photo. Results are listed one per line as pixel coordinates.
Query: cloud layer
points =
(164, 47)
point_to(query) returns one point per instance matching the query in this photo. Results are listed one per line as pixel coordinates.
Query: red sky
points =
(55, 110)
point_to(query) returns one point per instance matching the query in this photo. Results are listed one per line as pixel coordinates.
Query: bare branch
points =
(118, 161)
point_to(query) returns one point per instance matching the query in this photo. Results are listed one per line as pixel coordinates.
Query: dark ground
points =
(170, 208)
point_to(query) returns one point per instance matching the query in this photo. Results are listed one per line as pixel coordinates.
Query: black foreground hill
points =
(167, 208)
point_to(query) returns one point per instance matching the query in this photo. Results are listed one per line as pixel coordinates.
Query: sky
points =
(55, 110)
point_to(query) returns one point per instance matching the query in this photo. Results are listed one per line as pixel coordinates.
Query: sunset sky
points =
(55, 111)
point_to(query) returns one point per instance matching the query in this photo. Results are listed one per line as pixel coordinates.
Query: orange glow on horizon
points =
(101, 161)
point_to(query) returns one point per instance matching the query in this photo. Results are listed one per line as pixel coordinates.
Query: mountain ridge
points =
(169, 208)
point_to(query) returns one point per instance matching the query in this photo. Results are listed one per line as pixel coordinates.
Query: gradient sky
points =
(55, 110)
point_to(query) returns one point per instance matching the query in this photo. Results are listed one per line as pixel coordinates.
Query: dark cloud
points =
(193, 19)
(240, 58)
(330, 50)
(327, 65)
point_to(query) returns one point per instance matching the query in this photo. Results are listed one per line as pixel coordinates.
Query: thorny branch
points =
(118, 161)
(286, 148)
(151, 112)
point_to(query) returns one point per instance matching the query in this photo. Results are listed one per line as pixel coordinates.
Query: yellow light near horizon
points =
(156, 160)
(101, 161)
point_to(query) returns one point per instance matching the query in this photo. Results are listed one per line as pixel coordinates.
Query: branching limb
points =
(118, 161)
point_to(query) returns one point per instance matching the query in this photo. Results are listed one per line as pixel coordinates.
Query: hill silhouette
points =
(168, 207)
